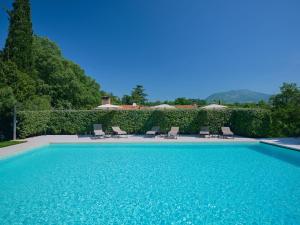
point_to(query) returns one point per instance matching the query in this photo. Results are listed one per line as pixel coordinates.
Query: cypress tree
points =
(18, 46)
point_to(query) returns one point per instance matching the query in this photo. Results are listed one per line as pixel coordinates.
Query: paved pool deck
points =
(35, 142)
(291, 143)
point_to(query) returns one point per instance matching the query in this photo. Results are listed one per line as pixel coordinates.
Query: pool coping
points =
(281, 145)
(42, 141)
(23, 152)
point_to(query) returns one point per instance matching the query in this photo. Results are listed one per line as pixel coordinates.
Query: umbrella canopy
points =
(108, 106)
(163, 106)
(214, 106)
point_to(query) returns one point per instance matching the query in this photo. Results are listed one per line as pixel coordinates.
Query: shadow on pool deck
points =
(283, 154)
(288, 142)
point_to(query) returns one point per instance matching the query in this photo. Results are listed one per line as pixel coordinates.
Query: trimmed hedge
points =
(245, 122)
(251, 123)
(32, 123)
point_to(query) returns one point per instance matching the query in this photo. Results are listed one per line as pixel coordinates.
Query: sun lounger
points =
(154, 131)
(118, 132)
(173, 133)
(98, 132)
(226, 132)
(204, 131)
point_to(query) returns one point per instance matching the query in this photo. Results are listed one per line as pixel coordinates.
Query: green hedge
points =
(245, 122)
(251, 123)
(32, 123)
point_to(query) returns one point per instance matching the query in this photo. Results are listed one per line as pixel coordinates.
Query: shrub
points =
(245, 122)
(251, 122)
(31, 123)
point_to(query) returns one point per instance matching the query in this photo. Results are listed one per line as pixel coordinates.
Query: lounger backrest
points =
(174, 130)
(204, 129)
(116, 129)
(226, 130)
(97, 126)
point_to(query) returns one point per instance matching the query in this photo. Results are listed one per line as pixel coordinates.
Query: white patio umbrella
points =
(214, 106)
(163, 106)
(108, 106)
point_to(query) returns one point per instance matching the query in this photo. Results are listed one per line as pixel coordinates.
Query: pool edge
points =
(280, 145)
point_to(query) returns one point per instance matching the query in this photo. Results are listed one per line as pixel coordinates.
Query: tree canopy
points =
(58, 82)
(22, 85)
(286, 110)
(18, 46)
(7, 99)
(189, 101)
(138, 95)
(37, 74)
(64, 81)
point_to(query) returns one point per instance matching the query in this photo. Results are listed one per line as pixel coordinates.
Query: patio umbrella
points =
(214, 106)
(163, 106)
(108, 106)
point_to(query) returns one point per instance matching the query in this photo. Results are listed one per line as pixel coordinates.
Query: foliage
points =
(251, 122)
(65, 82)
(154, 103)
(188, 101)
(138, 121)
(36, 103)
(22, 85)
(138, 95)
(286, 111)
(7, 99)
(31, 123)
(127, 100)
(18, 46)
(179, 101)
(34, 73)
(259, 105)
(182, 101)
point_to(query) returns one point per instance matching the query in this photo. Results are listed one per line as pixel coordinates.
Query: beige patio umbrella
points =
(214, 106)
(163, 106)
(108, 107)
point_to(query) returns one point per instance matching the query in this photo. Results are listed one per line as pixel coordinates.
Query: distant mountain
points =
(238, 96)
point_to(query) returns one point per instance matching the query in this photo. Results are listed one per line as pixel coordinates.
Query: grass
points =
(9, 143)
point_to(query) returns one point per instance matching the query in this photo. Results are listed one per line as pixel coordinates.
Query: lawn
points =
(9, 143)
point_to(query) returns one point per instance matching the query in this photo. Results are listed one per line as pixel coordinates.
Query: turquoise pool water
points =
(151, 184)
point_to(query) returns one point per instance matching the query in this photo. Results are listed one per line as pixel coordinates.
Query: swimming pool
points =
(151, 184)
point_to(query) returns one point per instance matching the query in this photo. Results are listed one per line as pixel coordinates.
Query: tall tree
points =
(138, 95)
(286, 110)
(64, 81)
(127, 100)
(18, 46)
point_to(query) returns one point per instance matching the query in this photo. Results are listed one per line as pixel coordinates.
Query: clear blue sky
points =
(175, 48)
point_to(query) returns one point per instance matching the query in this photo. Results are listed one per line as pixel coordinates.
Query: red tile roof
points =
(129, 107)
(186, 106)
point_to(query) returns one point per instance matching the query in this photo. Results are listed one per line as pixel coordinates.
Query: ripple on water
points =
(151, 184)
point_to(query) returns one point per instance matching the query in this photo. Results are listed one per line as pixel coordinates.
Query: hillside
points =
(238, 96)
